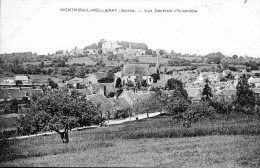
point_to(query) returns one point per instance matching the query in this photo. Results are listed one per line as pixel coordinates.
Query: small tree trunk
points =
(64, 135)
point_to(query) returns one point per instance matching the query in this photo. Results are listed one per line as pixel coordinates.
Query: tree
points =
(55, 111)
(234, 56)
(206, 92)
(154, 54)
(176, 105)
(149, 52)
(245, 100)
(177, 85)
(18, 82)
(100, 51)
(161, 52)
(118, 83)
(196, 111)
(155, 77)
(52, 83)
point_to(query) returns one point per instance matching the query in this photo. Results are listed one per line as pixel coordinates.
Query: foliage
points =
(245, 99)
(196, 111)
(106, 80)
(176, 104)
(119, 91)
(155, 77)
(177, 85)
(129, 83)
(144, 83)
(55, 110)
(214, 57)
(111, 94)
(149, 52)
(223, 106)
(52, 83)
(206, 92)
(123, 113)
(232, 68)
(18, 82)
(125, 44)
(118, 83)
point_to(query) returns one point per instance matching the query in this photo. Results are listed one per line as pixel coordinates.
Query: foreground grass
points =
(209, 151)
(147, 142)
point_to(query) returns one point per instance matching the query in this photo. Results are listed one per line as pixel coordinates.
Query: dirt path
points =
(111, 122)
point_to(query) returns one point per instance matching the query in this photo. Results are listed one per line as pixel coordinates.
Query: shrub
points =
(196, 111)
(223, 107)
(123, 113)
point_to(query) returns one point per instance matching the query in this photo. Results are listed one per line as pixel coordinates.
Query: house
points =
(82, 92)
(106, 107)
(18, 93)
(25, 80)
(254, 80)
(256, 73)
(107, 88)
(94, 77)
(194, 94)
(226, 72)
(96, 88)
(119, 103)
(142, 97)
(132, 71)
(212, 77)
(226, 94)
(130, 97)
(8, 82)
(75, 81)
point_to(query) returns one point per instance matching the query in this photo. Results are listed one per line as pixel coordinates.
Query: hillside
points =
(146, 142)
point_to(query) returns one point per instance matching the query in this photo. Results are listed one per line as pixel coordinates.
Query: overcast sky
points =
(229, 26)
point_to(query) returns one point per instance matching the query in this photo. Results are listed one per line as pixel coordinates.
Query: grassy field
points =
(232, 141)
(81, 60)
(44, 78)
(7, 121)
(150, 59)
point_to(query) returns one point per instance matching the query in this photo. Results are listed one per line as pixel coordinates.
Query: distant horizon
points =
(42, 26)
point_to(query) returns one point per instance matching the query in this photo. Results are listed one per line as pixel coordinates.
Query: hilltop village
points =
(119, 74)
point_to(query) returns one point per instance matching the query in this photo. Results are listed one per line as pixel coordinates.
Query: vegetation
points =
(120, 137)
(58, 110)
(206, 92)
(245, 101)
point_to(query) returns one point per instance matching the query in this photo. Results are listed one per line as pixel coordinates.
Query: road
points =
(111, 122)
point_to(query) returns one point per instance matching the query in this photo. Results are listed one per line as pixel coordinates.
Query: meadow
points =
(226, 141)
(81, 60)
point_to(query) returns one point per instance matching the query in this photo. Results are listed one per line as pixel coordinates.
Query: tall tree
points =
(245, 100)
(58, 111)
(206, 92)
(177, 85)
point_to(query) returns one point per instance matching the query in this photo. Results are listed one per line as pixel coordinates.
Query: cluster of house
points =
(12, 81)
(193, 81)
(115, 48)
(222, 90)
(19, 93)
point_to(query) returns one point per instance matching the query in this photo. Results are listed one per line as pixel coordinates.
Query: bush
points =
(196, 111)
(123, 113)
(223, 107)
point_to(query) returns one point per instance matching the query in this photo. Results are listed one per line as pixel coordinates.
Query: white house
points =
(254, 80)
(22, 78)
(133, 71)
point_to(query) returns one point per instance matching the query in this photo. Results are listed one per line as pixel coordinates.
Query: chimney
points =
(105, 90)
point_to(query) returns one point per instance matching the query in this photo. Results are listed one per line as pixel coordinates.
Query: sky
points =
(227, 26)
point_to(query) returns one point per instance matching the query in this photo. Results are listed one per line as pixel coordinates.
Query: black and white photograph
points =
(130, 83)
